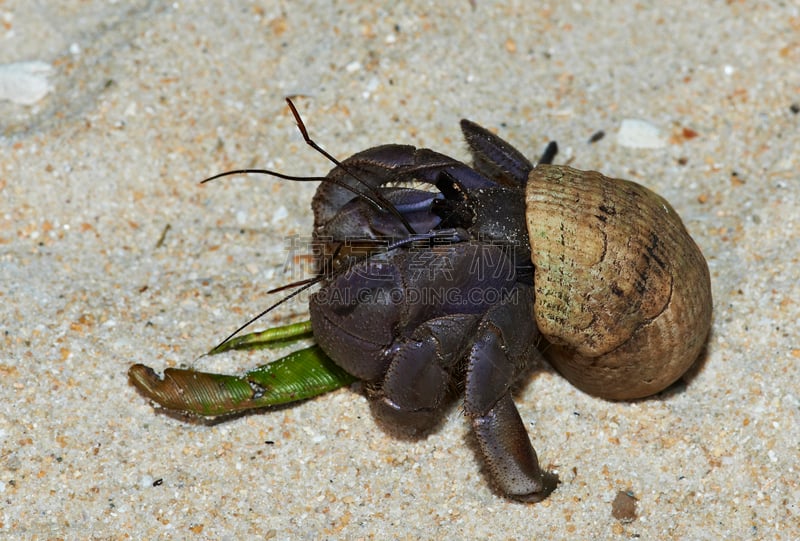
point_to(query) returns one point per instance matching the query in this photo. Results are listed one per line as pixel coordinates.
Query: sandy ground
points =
(146, 98)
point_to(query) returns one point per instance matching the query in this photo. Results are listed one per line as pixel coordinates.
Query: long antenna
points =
(374, 198)
(284, 176)
(446, 235)
(385, 204)
(270, 309)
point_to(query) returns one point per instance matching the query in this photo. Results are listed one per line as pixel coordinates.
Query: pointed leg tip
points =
(410, 423)
(549, 483)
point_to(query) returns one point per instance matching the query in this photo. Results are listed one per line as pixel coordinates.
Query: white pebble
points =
(635, 133)
(280, 214)
(24, 83)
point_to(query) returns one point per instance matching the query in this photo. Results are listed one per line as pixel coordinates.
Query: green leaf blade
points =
(271, 338)
(299, 376)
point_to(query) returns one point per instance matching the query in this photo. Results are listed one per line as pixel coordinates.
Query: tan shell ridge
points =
(623, 293)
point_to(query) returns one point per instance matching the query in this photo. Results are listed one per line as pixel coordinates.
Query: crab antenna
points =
(259, 172)
(374, 198)
(270, 309)
(305, 285)
(452, 235)
(284, 176)
(384, 204)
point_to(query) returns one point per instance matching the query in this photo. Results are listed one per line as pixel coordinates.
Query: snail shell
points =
(623, 294)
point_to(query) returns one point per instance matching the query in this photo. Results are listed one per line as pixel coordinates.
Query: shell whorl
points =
(623, 293)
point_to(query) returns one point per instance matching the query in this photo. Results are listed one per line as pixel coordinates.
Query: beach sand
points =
(127, 105)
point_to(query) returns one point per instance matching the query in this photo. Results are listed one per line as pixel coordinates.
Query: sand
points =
(143, 99)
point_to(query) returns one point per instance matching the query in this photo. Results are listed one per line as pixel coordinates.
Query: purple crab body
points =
(435, 297)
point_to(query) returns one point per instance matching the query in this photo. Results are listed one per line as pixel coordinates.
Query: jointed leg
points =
(509, 454)
(493, 368)
(418, 380)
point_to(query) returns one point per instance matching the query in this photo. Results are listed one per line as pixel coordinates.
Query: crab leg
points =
(495, 363)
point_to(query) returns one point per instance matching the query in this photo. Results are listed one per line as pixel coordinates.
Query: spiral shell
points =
(623, 294)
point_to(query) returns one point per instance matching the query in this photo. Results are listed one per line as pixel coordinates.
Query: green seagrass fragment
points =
(298, 376)
(271, 338)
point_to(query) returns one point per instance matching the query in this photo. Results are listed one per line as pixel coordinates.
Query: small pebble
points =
(24, 83)
(624, 507)
(635, 133)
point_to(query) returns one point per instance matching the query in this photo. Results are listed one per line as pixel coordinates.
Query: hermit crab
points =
(459, 288)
